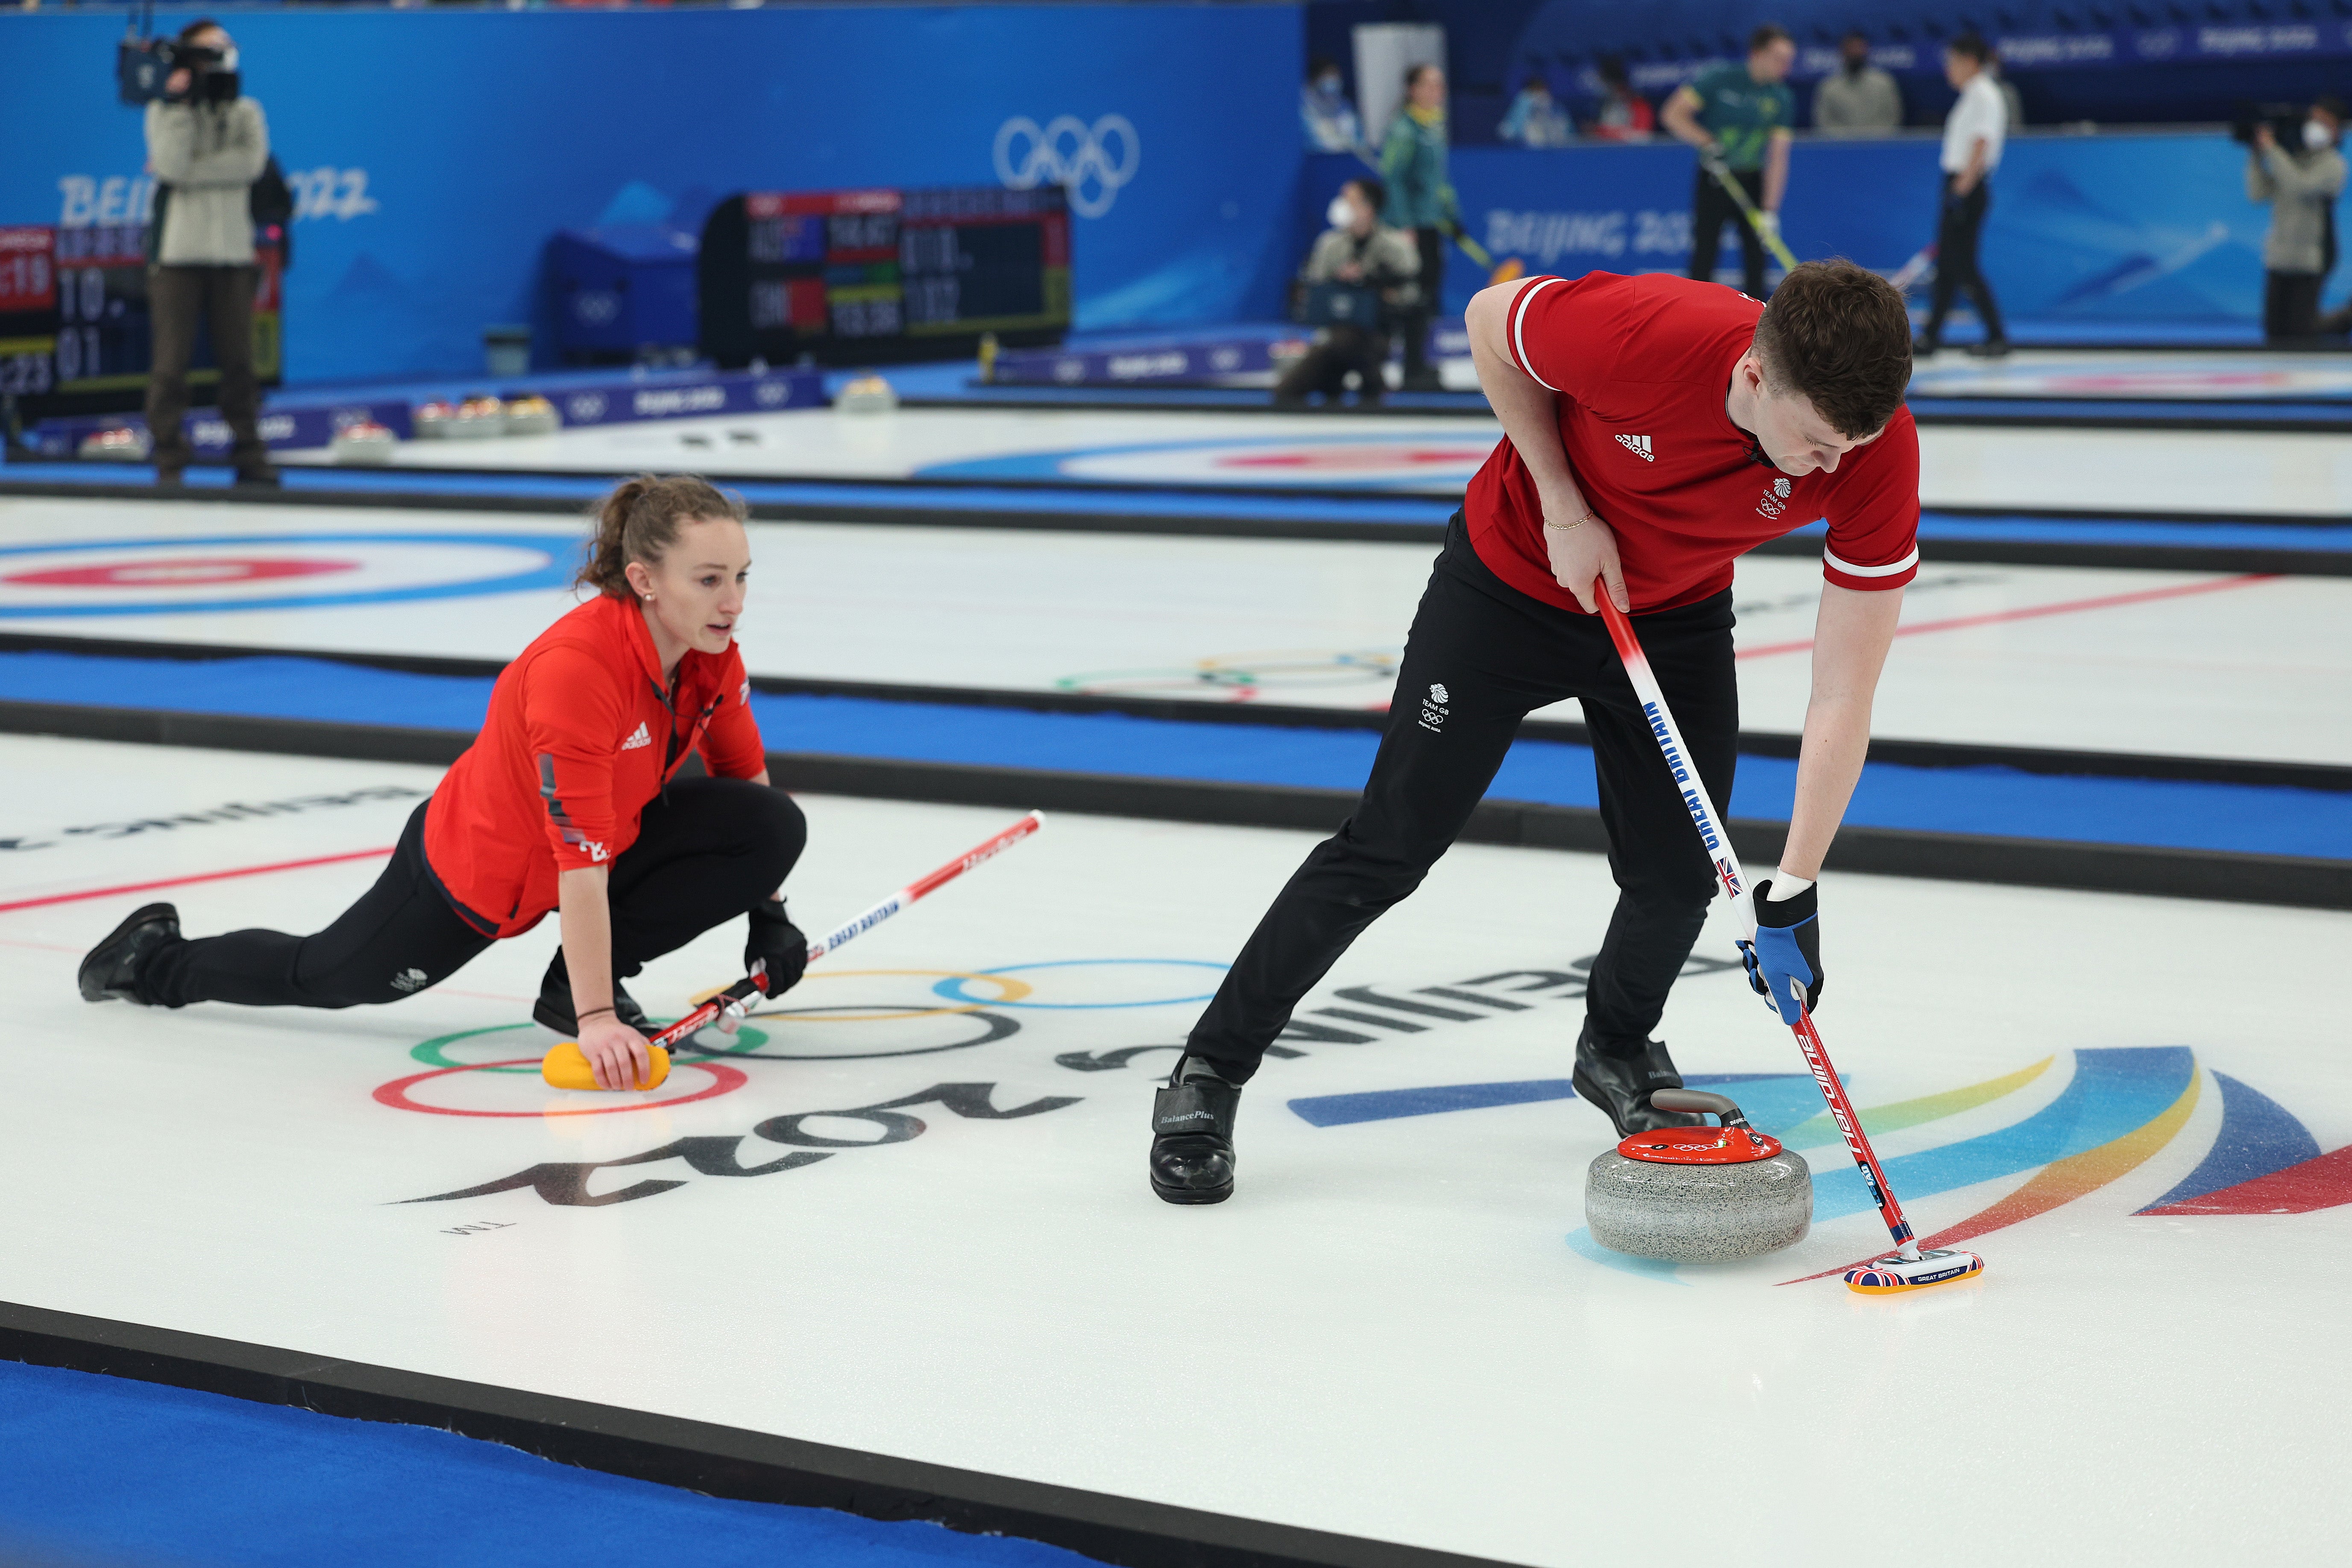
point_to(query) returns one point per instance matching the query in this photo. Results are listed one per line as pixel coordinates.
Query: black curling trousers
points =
(707, 851)
(1481, 656)
(1956, 265)
(1711, 208)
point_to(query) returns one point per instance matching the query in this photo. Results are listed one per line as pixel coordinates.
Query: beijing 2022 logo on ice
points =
(1068, 152)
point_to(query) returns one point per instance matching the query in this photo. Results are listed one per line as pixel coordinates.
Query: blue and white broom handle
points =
(1734, 883)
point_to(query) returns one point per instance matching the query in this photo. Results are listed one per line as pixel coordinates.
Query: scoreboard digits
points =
(863, 276)
(74, 327)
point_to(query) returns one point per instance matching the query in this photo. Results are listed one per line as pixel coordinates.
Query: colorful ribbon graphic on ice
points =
(2118, 1108)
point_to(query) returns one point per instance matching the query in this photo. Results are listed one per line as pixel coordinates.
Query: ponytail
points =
(641, 519)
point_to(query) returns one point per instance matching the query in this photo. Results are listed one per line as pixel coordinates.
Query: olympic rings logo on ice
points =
(1068, 152)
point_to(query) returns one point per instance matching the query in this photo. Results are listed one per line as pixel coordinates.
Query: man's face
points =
(1794, 435)
(1360, 215)
(1772, 62)
(1856, 53)
(1429, 89)
(1958, 69)
(215, 39)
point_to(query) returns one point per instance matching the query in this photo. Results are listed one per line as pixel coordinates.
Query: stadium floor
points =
(2218, 473)
(980, 1279)
(2120, 658)
(2187, 664)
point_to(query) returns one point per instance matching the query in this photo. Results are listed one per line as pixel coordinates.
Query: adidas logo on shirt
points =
(642, 738)
(1639, 446)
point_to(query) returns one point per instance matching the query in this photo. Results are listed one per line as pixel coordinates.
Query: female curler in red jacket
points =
(569, 801)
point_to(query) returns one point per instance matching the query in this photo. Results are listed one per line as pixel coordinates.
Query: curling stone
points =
(479, 416)
(866, 394)
(1698, 1194)
(117, 443)
(565, 1067)
(434, 420)
(532, 415)
(363, 441)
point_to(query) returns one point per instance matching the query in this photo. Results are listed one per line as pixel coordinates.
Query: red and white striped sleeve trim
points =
(1516, 338)
(1869, 579)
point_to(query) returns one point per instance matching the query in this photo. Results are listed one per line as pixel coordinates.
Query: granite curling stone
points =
(1698, 1194)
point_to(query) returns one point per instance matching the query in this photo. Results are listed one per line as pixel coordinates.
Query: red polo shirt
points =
(581, 735)
(1641, 366)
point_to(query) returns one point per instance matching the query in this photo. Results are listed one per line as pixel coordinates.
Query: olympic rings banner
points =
(435, 153)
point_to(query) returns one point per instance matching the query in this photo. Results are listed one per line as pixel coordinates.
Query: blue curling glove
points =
(1784, 961)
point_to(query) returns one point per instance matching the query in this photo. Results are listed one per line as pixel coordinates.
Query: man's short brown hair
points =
(1841, 335)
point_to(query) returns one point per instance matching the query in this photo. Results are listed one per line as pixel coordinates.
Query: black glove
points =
(777, 942)
(1785, 959)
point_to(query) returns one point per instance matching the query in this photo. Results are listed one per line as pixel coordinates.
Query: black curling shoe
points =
(110, 973)
(554, 1008)
(1620, 1080)
(1193, 1135)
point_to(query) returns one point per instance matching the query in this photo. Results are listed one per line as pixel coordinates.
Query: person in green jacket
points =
(1421, 198)
(1740, 117)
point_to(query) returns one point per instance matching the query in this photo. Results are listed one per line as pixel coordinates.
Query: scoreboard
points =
(74, 330)
(861, 277)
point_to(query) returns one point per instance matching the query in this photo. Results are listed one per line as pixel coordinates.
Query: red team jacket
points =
(1641, 365)
(580, 736)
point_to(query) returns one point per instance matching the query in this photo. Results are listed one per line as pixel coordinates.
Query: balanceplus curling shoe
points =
(1619, 1077)
(110, 973)
(1192, 1134)
(554, 1008)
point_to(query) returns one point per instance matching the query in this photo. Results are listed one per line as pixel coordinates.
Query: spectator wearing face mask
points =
(1625, 115)
(2301, 184)
(1325, 115)
(1535, 118)
(1857, 98)
(207, 144)
(1359, 275)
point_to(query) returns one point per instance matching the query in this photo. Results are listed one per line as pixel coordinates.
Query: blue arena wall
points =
(2149, 228)
(435, 153)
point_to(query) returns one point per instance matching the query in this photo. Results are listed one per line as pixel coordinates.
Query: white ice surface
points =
(2214, 665)
(2230, 473)
(1386, 1333)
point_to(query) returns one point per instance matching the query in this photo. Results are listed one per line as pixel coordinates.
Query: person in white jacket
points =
(206, 146)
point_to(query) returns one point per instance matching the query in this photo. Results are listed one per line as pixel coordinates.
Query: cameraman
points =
(2301, 184)
(1377, 268)
(206, 146)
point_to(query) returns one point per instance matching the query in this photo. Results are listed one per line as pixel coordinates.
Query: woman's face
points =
(1429, 89)
(697, 584)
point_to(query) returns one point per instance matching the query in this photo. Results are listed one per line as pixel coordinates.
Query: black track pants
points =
(707, 851)
(1957, 266)
(1481, 656)
(1711, 208)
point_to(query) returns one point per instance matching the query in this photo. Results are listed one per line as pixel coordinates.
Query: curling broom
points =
(1907, 1267)
(565, 1068)
(1721, 172)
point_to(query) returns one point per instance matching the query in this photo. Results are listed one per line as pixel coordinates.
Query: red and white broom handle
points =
(868, 919)
(1734, 882)
(736, 999)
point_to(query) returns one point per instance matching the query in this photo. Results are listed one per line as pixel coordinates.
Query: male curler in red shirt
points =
(1655, 429)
